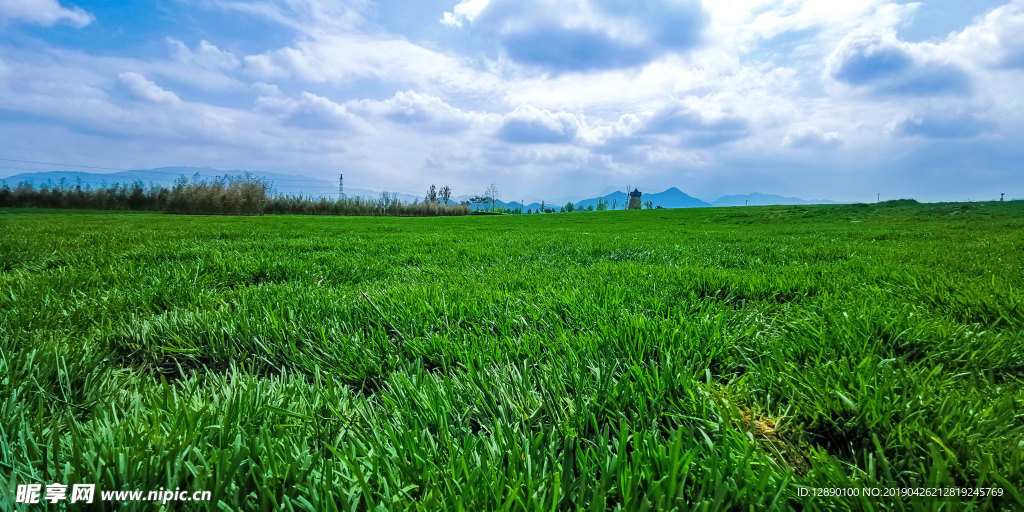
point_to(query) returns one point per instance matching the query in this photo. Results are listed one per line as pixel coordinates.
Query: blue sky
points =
(551, 100)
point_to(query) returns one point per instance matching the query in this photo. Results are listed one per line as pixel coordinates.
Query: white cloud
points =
(85, 104)
(530, 125)
(884, 65)
(340, 58)
(310, 111)
(694, 127)
(582, 35)
(418, 110)
(675, 126)
(464, 11)
(205, 55)
(935, 125)
(810, 137)
(144, 89)
(265, 89)
(43, 12)
(298, 15)
(995, 39)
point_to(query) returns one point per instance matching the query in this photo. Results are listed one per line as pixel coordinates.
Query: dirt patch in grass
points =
(779, 444)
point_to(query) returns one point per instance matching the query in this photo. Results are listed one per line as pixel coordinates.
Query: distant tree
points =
(477, 201)
(602, 205)
(615, 204)
(431, 194)
(649, 205)
(590, 207)
(491, 193)
(529, 211)
(386, 202)
(446, 194)
(569, 207)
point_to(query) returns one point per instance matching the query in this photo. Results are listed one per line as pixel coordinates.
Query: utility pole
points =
(746, 202)
(878, 198)
(341, 186)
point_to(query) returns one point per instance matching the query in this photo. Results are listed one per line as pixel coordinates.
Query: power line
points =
(21, 168)
(65, 165)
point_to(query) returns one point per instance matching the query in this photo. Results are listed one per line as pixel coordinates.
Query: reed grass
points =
(245, 194)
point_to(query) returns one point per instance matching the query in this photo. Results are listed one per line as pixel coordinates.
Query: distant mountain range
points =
(758, 199)
(671, 198)
(304, 185)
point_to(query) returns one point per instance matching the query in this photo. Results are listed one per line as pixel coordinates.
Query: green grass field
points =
(722, 358)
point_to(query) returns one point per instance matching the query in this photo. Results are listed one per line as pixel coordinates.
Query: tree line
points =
(248, 194)
(226, 195)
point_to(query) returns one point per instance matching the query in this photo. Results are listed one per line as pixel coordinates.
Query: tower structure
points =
(634, 199)
(341, 186)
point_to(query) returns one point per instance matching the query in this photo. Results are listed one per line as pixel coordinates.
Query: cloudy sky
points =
(549, 99)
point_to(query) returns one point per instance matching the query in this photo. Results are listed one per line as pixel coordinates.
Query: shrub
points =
(899, 202)
(230, 195)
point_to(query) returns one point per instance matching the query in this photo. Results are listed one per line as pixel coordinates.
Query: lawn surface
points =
(722, 357)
